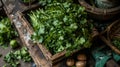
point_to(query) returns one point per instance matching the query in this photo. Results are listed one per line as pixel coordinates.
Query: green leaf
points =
(61, 25)
(6, 31)
(13, 44)
(82, 40)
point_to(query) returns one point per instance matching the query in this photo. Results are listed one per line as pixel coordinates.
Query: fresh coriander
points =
(45, 2)
(13, 44)
(6, 31)
(61, 26)
(116, 42)
(12, 58)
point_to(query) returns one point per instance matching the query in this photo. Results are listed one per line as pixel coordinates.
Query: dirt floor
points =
(3, 52)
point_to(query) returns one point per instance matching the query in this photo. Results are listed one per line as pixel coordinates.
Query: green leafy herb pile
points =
(6, 31)
(13, 58)
(61, 26)
(116, 42)
(45, 2)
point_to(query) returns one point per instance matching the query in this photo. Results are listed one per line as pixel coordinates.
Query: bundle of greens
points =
(116, 42)
(45, 2)
(61, 26)
(6, 31)
(12, 58)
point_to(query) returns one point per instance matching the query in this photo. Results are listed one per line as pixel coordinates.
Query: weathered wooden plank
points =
(25, 33)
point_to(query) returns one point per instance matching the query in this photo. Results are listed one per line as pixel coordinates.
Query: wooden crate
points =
(41, 56)
(38, 52)
(53, 58)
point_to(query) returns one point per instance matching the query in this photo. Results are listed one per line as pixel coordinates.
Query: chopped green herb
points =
(61, 26)
(116, 42)
(6, 31)
(12, 58)
(13, 44)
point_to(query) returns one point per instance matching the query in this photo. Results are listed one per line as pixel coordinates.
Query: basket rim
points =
(108, 30)
(108, 39)
(100, 11)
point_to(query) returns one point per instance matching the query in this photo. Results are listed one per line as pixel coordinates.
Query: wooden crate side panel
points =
(24, 34)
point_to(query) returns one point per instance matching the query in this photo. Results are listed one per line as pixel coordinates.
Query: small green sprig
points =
(13, 57)
(6, 31)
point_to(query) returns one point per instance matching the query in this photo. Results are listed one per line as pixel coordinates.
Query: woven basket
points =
(100, 14)
(113, 31)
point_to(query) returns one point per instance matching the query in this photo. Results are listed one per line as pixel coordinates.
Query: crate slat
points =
(24, 32)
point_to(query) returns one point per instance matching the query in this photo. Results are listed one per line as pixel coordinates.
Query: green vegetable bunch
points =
(13, 44)
(116, 42)
(12, 58)
(6, 31)
(45, 2)
(61, 26)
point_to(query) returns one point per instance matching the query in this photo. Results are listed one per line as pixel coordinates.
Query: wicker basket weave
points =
(113, 31)
(100, 14)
